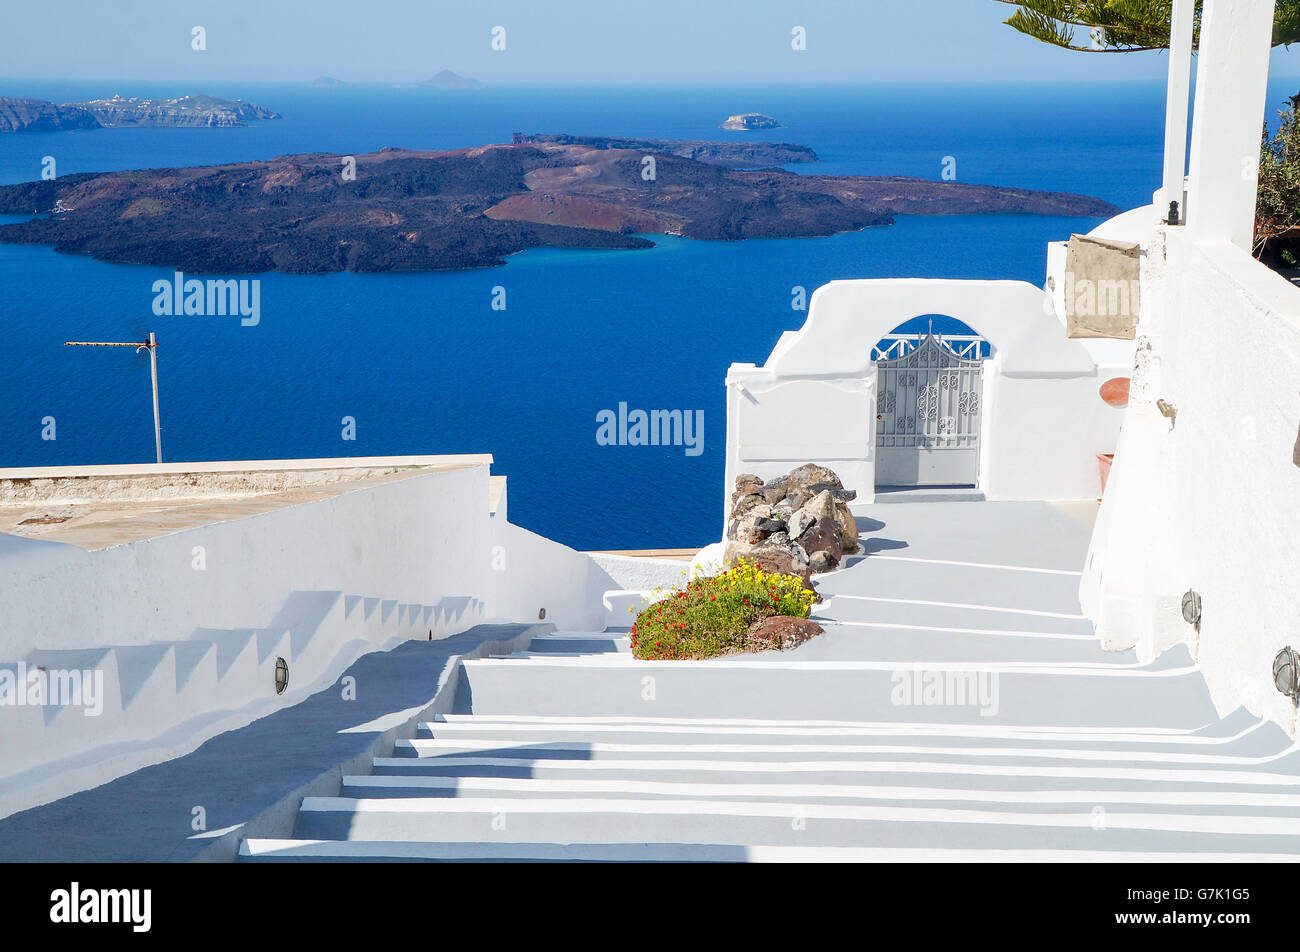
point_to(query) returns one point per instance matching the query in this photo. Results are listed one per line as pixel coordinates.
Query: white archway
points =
(815, 398)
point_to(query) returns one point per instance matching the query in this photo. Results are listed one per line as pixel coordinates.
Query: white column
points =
(1231, 86)
(1179, 85)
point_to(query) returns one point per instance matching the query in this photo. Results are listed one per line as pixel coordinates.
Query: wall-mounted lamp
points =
(281, 675)
(1173, 214)
(1192, 608)
(1167, 409)
(541, 614)
(1286, 672)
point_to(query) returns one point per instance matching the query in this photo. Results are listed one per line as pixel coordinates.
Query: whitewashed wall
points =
(529, 573)
(1207, 501)
(394, 541)
(319, 584)
(815, 399)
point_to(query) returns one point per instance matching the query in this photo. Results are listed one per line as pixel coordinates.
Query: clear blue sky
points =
(637, 41)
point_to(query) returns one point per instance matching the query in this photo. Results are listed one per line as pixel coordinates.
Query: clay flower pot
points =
(1115, 391)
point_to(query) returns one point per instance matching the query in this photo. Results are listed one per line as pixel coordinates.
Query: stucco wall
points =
(1207, 501)
(814, 399)
(394, 541)
(187, 652)
(638, 573)
(529, 573)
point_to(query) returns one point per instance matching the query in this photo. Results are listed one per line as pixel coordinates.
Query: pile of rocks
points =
(781, 633)
(797, 524)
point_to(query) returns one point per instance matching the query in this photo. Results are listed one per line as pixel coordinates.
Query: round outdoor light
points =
(1192, 608)
(1286, 672)
(541, 614)
(281, 675)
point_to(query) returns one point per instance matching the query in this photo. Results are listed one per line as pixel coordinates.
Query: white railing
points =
(965, 346)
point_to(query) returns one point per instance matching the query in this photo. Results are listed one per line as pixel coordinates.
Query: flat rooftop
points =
(96, 507)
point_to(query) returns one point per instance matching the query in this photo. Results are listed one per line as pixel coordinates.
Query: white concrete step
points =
(1023, 774)
(1253, 802)
(881, 641)
(309, 851)
(900, 575)
(793, 823)
(951, 756)
(466, 732)
(580, 644)
(1166, 694)
(933, 610)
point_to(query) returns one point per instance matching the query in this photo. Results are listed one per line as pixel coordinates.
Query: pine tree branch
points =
(1127, 26)
(1155, 27)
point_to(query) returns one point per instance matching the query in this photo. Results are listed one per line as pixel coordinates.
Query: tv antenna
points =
(151, 345)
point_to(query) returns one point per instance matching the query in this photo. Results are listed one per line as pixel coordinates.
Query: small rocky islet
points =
(749, 121)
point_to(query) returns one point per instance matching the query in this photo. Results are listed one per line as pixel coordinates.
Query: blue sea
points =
(424, 364)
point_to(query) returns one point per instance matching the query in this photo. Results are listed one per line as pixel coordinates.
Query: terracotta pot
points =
(1103, 464)
(1115, 391)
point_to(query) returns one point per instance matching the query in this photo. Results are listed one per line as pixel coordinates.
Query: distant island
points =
(39, 115)
(408, 210)
(731, 154)
(749, 120)
(449, 80)
(445, 79)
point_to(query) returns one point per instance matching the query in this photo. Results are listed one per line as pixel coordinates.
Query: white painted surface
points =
(1207, 502)
(814, 400)
(1178, 86)
(1231, 85)
(710, 560)
(640, 572)
(188, 653)
(622, 607)
(1088, 754)
(526, 572)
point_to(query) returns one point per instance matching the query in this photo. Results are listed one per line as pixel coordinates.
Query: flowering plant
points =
(712, 615)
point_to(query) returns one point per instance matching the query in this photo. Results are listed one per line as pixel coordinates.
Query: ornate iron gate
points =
(928, 413)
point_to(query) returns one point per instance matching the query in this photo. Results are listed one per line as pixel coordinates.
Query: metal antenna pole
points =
(150, 345)
(153, 372)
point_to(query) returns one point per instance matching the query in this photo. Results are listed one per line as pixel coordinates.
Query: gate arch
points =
(929, 396)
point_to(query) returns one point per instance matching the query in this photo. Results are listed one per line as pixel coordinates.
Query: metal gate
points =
(928, 410)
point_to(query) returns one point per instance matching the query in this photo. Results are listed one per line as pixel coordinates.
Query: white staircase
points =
(567, 752)
(1041, 746)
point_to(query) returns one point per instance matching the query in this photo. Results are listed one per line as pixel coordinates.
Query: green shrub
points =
(711, 616)
(1277, 213)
